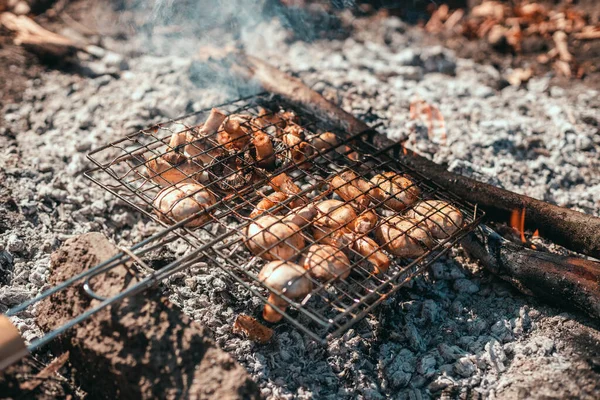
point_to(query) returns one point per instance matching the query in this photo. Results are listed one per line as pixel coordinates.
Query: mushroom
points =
(324, 141)
(404, 237)
(352, 189)
(440, 217)
(200, 144)
(183, 201)
(286, 278)
(180, 170)
(235, 132)
(265, 153)
(336, 214)
(395, 191)
(271, 238)
(268, 202)
(283, 183)
(326, 262)
(301, 216)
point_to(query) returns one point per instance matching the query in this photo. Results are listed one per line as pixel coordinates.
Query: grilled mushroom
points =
(337, 214)
(302, 216)
(268, 202)
(235, 132)
(395, 191)
(440, 217)
(231, 172)
(368, 248)
(351, 188)
(326, 262)
(201, 142)
(404, 237)
(273, 239)
(324, 141)
(182, 201)
(180, 170)
(288, 279)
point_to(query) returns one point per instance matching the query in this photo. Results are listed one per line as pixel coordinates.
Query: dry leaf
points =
(560, 41)
(519, 76)
(431, 117)
(46, 373)
(563, 68)
(253, 329)
(588, 33)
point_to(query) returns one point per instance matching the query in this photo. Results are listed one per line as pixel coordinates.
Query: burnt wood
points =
(571, 229)
(564, 281)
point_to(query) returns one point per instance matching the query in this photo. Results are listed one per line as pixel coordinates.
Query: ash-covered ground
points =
(456, 331)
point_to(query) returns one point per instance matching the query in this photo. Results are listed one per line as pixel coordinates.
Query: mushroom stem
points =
(271, 314)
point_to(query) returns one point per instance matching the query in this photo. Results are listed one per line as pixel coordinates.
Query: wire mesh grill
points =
(354, 235)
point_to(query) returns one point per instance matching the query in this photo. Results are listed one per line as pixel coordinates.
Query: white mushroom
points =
(404, 237)
(273, 239)
(287, 279)
(326, 262)
(395, 191)
(440, 217)
(183, 201)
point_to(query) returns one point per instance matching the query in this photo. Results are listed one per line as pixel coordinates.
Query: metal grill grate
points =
(141, 165)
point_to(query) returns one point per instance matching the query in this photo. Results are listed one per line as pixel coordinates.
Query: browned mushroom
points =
(324, 141)
(265, 154)
(326, 262)
(287, 279)
(180, 170)
(273, 239)
(404, 237)
(395, 191)
(302, 216)
(268, 202)
(296, 151)
(440, 217)
(336, 214)
(201, 143)
(351, 188)
(283, 183)
(235, 132)
(183, 201)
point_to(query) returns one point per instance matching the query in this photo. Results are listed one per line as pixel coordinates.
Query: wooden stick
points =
(571, 229)
(564, 281)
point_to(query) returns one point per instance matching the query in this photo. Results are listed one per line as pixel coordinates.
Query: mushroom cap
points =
(274, 239)
(182, 201)
(440, 217)
(334, 213)
(286, 277)
(182, 170)
(395, 191)
(301, 216)
(404, 237)
(326, 262)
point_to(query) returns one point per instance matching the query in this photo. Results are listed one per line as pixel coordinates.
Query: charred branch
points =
(564, 281)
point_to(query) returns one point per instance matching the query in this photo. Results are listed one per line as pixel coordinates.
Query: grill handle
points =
(569, 282)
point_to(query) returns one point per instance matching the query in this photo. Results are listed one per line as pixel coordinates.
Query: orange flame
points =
(404, 151)
(517, 221)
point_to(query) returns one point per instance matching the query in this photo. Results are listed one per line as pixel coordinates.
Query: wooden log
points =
(564, 281)
(141, 348)
(571, 229)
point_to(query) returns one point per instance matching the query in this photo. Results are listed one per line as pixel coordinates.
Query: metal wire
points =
(147, 166)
